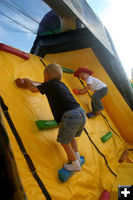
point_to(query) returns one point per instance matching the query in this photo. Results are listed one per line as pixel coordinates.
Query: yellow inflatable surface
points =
(46, 153)
(125, 177)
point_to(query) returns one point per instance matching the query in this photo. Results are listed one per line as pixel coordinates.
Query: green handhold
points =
(70, 71)
(106, 136)
(44, 124)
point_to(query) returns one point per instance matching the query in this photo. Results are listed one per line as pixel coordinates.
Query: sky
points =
(20, 36)
(116, 16)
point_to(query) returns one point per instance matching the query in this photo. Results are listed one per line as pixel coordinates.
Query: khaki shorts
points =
(72, 125)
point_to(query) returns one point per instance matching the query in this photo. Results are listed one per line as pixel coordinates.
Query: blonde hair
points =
(54, 71)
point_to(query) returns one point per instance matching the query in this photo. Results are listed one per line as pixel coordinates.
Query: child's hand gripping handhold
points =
(76, 91)
(21, 83)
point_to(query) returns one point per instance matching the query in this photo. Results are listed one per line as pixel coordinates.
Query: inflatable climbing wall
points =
(25, 108)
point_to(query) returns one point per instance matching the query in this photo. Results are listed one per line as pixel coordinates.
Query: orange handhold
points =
(75, 91)
(21, 83)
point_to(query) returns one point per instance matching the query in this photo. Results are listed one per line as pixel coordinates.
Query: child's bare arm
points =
(35, 83)
(31, 85)
(83, 91)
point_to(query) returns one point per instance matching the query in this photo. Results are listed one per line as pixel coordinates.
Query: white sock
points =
(77, 156)
(75, 166)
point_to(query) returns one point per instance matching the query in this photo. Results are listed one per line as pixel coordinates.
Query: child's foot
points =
(91, 115)
(75, 166)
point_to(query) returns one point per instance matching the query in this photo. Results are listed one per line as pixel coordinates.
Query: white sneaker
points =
(75, 166)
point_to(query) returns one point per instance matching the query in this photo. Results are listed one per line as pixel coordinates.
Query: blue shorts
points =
(72, 125)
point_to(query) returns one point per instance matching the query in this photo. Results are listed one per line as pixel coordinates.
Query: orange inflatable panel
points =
(8, 49)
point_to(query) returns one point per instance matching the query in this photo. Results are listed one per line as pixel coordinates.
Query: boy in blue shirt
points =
(67, 112)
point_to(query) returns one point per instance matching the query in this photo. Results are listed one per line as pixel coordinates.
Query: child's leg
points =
(75, 148)
(96, 100)
(72, 125)
(74, 145)
(69, 151)
(96, 103)
(75, 166)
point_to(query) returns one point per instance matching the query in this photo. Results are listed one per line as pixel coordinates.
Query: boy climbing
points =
(98, 87)
(67, 112)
